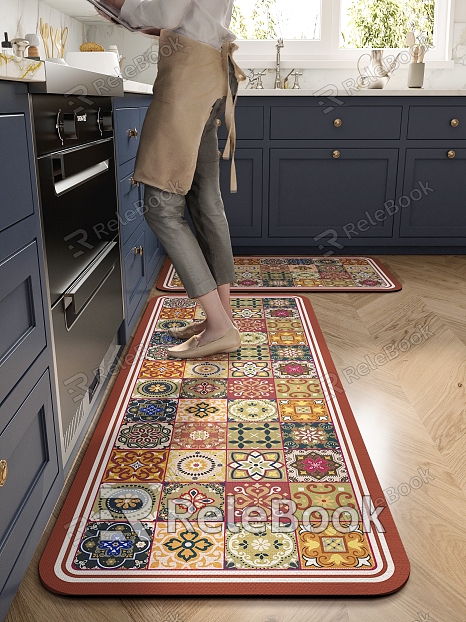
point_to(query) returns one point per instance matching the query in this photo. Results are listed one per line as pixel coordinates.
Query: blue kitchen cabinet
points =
(312, 190)
(141, 252)
(435, 210)
(28, 404)
(307, 198)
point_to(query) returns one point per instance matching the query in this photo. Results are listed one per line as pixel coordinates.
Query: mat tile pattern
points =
(269, 273)
(231, 442)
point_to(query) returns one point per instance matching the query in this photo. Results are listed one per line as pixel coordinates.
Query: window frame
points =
(327, 52)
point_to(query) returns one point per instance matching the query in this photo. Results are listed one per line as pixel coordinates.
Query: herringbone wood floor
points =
(411, 413)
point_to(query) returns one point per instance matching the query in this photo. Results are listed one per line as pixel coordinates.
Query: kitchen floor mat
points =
(305, 274)
(236, 474)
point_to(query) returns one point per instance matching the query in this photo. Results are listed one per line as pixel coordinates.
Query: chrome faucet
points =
(278, 82)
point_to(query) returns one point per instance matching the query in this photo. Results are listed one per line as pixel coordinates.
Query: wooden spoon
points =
(45, 38)
(58, 44)
(52, 32)
(63, 41)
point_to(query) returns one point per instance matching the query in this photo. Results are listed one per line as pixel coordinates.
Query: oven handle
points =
(78, 297)
(68, 183)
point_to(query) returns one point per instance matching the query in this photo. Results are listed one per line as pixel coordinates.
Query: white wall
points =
(460, 11)
(21, 17)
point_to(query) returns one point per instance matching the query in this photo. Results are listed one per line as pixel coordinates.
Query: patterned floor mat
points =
(240, 473)
(306, 274)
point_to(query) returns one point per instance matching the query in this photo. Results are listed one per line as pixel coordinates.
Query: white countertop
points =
(137, 87)
(361, 92)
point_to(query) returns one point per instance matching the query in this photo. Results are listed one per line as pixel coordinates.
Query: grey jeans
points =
(204, 261)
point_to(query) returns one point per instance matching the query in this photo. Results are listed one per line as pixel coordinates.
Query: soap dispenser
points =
(7, 48)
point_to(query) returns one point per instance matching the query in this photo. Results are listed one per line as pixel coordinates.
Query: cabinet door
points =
(127, 132)
(134, 273)
(131, 213)
(28, 446)
(312, 191)
(22, 332)
(438, 211)
(152, 251)
(244, 208)
(15, 177)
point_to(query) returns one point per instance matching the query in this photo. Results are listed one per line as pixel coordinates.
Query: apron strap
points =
(230, 147)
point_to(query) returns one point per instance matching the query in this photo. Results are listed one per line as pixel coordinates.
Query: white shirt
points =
(203, 20)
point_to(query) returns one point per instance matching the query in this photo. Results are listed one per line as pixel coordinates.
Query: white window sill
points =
(258, 62)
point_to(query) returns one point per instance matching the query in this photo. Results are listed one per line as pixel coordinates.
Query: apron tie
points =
(227, 55)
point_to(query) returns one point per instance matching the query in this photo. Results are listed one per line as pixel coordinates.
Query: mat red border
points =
(203, 586)
(397, 285)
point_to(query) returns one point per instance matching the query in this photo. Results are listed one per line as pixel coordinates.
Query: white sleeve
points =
(154, 13)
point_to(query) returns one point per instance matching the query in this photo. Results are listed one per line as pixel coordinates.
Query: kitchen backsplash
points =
(21, 17)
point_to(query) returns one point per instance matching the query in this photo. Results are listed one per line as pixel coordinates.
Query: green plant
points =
(384, 23)
(238, 23)
(264, 20)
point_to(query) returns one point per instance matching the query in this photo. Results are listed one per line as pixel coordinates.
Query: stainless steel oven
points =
(75, 163)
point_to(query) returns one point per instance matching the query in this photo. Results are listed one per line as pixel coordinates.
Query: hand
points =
(152, 31)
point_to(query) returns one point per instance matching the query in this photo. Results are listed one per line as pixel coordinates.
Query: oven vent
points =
(74, 427)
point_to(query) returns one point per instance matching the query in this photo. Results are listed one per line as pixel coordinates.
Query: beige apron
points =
(191, 77)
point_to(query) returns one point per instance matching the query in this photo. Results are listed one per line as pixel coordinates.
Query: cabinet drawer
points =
(127, 122)
(22, 334)
(134, 273)
(359, 122)
(437, 122)
(27, 443)
(15, 176)
(151, 253)
(131, 213)
(249, 123)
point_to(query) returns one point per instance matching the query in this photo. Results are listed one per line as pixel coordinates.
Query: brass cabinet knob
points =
(451, 154)
(454, 122)
(337, 122)
(220, 155)
(336, 154)
(133, 133)
(138, 250)
(219, 123)
(3, 472)
(134, 182)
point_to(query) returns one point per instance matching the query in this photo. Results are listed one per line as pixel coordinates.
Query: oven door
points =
(79, 205)
(85, 323)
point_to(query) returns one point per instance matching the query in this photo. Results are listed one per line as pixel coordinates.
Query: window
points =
(337, 30)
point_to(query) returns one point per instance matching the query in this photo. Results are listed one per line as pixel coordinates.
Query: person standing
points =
(178, 157)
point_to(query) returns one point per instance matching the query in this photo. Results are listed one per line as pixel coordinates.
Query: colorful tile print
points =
(263, 549)
(252, 410)
(213, 457)
(190, 498)
(255, 495)
(202, 410)
(329, 496)
(183, 549)
(304, 435)
(202, 389)
(291, 272)
(114, 545)
(256, 465)
(144, 410)
(136, 465)
(126, 502)
(333, 549)
(196, 466)
(145, 435)
(303, 410)
(318, 465)
(254, 435)
(189, 435)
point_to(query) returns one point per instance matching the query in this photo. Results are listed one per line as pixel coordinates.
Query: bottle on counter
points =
(7, 48)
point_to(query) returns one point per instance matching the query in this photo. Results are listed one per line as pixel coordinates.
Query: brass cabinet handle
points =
(219, 123)
(3, 472)
(134, 182)
(336, 154)
(337, 122)
(451, 154)
(133, 133)
(220, 155)
(138, 250)
(454, 122)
